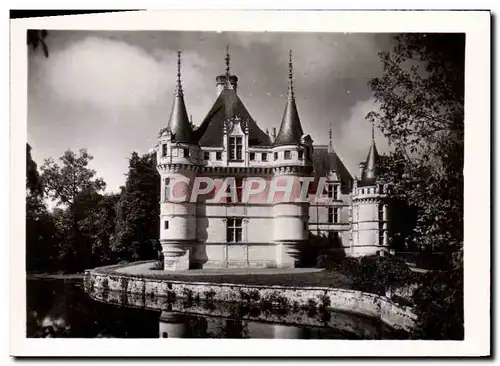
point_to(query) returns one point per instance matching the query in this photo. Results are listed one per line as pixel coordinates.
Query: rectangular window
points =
(239, 191)
(301, 155)
(239, 148)
(264, 156)
(234, 230)
(164, 150)
(218, 155)
(235, 148)
(288, 155)
(333, 215)
(206, 155)
(186, 153)
(165, 225)
(167, 182)
(335, 193)
(381, 213)
(330, 189)
(275, 156)
(381, 234)
(252, 156)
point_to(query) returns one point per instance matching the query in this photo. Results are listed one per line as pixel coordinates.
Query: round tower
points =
(292, 159)
(369, 209)
(178, 159)
(172, 325)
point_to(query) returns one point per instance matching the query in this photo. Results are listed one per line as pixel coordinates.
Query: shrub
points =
(374, 274)
(439, 306)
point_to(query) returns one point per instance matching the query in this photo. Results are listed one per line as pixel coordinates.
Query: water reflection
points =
(62, 309)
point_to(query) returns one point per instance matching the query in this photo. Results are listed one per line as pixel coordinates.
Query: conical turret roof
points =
(290, 130)
(178, 123)
(371, 165)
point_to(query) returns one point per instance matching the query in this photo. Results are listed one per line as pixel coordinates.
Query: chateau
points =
(238, 231)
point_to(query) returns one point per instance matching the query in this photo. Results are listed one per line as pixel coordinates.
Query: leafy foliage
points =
(73, 185)
(33, 183)
(35, 38)
(74, 178)
(87, 228)
(138, 211)
(440, 306)
(374, 274)
(421, 94)
(421, 97)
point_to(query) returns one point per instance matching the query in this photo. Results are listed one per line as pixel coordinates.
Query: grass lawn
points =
(314, 279)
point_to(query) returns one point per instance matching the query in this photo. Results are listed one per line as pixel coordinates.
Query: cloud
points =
(112, 91)
(111, 74)
(354, 137)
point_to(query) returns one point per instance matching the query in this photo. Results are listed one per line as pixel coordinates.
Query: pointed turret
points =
(371, 165)
(291, 130)
(178, 123)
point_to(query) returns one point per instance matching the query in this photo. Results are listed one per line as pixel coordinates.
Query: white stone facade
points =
(194, 234)
(222, 228)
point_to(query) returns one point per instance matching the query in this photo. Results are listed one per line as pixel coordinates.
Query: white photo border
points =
(476, 26)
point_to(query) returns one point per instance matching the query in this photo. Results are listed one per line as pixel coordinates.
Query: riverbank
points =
(54, 276)
(286, 290)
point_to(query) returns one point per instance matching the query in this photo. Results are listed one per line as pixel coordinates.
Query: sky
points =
(111, 91)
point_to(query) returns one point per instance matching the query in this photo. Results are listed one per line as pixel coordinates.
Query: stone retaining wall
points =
(396, 316)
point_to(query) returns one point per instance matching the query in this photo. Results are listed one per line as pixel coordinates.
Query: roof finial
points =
(330, 136)
(228, 60)
(290, 77)
(179, 85)
(373, 132)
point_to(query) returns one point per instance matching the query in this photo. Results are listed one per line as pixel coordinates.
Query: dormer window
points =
(275, 156)
(264, 156)
(235, 148)
(186, 153)
(252, 156)
(288, 155)
(301, 155)
(164, 150)
(206, 155)
(218, 155)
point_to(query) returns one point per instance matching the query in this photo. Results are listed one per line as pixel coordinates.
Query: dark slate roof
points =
(290, 130)
(324, 161)
(178, 123)
(228, 105)
(371, 166)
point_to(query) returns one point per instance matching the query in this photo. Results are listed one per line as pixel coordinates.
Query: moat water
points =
(62, 308)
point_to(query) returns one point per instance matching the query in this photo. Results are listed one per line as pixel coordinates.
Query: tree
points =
(99, 227)
(35, 38)
(421, 97)
(69, 185)
(33, 183)
(138, 210)
(40, 249)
